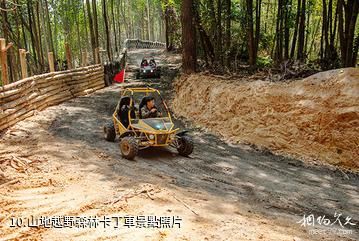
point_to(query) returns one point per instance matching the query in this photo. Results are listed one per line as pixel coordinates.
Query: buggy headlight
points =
(151, 136)
(151, 70)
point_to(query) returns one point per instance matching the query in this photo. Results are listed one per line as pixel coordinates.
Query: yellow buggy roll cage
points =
(146, 90)
(146, 130)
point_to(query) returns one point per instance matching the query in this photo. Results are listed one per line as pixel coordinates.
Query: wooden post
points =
(68, 56)
(50, 56)
(23, 64)
(84, 59)
(97, 55)
(3, 59)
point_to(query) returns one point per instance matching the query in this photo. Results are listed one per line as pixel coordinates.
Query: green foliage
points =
(264, 62)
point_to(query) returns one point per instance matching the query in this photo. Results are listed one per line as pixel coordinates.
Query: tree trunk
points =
(92, 32)
(5, 31)
(301, 54)
(114, 25)
(189, 56)
(324, 38)
(330, 19)
(307, 34)
(119, 26)
(258, 26)
(48, 21)
(108, 41)
(32, 35)
(95, 23)
(228, 32)
(286, 28)
(334, 29)
(355, 52)
(39, 41)
(219, 32)
(148, 21)
(295, 34)
(347, 29)
(213, 23)
(56, 44)
(205, 40)
(250, 33)
(167, 32)
(279, 33)
(85, 23)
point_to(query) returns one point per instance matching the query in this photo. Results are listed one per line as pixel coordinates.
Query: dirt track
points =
(221, 192)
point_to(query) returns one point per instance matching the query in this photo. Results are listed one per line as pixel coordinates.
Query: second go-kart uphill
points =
(148, 69)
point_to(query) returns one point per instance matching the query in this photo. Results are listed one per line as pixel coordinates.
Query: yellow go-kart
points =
(136, 133)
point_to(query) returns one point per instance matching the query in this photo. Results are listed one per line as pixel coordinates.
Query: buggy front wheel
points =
(129, 147)
(185, 145)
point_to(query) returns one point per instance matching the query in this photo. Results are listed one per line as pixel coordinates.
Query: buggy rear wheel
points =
(185, 145)
(129, 147)
(110, 132)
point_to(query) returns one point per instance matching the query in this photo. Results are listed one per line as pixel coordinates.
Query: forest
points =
(218, 35)
(324, 34)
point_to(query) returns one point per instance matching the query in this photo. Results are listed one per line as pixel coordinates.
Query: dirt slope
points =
(316, 118)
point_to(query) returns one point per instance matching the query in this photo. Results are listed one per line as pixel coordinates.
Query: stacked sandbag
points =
(21, 99)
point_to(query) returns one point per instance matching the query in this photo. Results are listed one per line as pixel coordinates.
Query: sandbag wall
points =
(143, 44)
(23, 98)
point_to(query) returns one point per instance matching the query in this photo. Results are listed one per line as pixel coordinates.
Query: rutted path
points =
(221, 192)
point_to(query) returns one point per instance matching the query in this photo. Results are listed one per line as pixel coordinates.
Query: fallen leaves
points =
(14, 167)
(147, 189)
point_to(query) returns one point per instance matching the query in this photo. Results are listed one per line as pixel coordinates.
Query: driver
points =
(150, 110)
(144, 63)
(152, 63)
